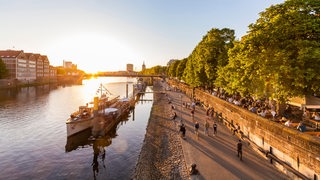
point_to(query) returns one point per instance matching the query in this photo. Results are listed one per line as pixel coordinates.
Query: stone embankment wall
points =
(298, 150)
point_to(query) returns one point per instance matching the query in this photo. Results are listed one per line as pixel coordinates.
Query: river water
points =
(33, 140)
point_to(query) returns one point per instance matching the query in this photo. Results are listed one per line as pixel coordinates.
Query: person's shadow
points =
(197, 177)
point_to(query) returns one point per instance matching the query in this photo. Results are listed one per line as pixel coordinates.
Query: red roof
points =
(37, 55)
(10, 53)
(28, 55)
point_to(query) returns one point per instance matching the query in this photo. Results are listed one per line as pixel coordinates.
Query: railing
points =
(127, 74)
(236, 131)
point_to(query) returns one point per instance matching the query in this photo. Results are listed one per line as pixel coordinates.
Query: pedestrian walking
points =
(183, 131)
(196, 129)
(193, 105)
(206, 128)
(215, 128)
(239, 149)
(174, 115)
(192, 114)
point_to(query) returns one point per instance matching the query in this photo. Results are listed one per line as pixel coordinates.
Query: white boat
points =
(109, 110)
(111, 116)
(84, 117)
(80, 120)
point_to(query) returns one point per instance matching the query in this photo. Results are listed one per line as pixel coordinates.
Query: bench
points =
(312, 123)
(313, 133)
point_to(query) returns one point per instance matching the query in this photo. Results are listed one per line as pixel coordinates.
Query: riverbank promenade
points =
(216, 155)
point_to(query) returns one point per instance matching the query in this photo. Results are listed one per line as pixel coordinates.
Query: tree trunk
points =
(280, 109)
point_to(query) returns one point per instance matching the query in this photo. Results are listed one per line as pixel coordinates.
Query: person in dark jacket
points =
(239, 149)
(183, 130)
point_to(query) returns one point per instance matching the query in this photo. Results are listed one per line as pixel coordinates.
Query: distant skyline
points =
(105, 35)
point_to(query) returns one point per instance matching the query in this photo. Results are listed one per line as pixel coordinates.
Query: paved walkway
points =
(216, 156)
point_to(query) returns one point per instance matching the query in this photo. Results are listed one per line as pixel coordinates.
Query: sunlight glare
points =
(94, 52)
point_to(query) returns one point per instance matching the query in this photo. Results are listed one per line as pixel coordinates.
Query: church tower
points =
(143, 67)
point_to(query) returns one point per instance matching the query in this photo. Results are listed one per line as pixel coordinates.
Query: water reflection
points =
(25, 92)
(33, 134)
(99, 151)
(98, 141)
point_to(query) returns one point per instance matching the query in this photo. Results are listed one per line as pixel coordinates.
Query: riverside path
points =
(216, 155)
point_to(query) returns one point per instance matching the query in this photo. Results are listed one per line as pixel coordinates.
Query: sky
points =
(105, 35)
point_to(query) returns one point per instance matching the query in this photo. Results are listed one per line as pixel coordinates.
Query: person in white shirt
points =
(288, 123)
(273, 112)
(263, 113)
(316, 116)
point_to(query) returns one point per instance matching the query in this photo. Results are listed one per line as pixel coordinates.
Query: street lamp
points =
(181, 107)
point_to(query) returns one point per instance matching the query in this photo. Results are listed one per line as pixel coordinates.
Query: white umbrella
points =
(110, 110)
(124, 100)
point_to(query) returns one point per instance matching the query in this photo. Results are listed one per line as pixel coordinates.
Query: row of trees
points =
(278, 58)
(158, 70)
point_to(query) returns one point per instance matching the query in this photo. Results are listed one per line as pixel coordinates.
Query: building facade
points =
(11, 59)
(39, 66)
(129, 67)
(52, 72)
(30, 72)
(46, 64)
(25, 66)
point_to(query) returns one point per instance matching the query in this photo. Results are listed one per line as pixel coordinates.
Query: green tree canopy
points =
(156, 70)
(180, 69)
(280, 56)
(172, 69)
(208, 55)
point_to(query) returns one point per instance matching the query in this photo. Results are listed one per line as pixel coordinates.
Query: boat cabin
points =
(83, 112)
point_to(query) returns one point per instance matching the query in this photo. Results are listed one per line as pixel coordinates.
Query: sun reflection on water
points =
(91, 86)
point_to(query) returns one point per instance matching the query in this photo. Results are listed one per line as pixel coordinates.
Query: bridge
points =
(126, 74)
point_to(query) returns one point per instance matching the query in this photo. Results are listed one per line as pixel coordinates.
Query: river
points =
(33, 139)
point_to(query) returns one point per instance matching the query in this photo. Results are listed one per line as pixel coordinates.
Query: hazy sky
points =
(105, 35)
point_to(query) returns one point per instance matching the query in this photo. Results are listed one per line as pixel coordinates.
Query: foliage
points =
(176, 69)
(61, 71)
(280, 56)
(3, 70)
(208, 56)
(156, 70)
(180, 69)
(172, 69)
(68, 71)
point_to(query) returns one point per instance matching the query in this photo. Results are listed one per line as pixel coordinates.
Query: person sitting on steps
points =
(193, 170)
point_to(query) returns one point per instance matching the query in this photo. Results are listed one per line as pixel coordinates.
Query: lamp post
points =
(181, 107)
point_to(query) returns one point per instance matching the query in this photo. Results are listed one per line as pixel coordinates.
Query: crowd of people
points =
(261, 106)
(267, 108)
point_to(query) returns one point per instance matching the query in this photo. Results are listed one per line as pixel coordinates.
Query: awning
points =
(312, 106)
(110, 110)
(124, 100)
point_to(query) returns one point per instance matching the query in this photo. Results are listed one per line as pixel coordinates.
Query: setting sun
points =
(93, 52)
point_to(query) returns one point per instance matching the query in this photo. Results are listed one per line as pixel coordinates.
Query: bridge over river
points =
(126, 74)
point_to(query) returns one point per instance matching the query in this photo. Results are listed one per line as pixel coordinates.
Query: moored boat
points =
(111, 116)
(98, 112)
(83, 118)
(80, 120)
